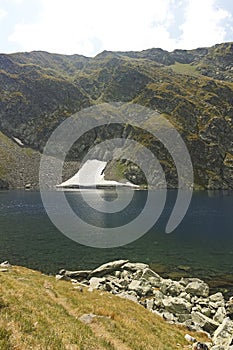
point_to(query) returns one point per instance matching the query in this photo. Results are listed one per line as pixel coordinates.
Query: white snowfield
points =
(91, 174)
(18, 141)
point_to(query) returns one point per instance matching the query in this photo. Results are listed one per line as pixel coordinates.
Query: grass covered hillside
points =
(38, 312)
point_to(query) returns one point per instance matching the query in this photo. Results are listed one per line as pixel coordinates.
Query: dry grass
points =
(37, 312)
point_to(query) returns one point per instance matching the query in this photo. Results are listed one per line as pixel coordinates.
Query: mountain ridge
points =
(192, 88)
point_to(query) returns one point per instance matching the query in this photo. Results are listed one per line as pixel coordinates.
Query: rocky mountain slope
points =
(192, 89)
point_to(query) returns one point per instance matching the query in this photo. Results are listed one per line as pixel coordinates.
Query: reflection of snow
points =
(91, 174)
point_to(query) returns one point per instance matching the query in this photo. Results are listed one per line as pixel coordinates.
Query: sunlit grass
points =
(38, 312)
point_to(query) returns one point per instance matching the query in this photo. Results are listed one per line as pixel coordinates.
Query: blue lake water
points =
(201, 246)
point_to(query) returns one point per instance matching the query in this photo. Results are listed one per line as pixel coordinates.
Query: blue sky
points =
(90, 26)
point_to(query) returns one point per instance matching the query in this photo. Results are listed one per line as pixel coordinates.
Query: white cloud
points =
(203, 25)
(3, 14)
(74, 26)
(90, 26)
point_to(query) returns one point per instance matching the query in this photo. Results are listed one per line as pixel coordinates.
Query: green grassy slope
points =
(37, 312)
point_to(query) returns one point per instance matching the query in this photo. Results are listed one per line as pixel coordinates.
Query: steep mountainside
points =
(193, 89)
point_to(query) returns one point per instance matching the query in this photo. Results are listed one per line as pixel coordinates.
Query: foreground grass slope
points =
(38, 312)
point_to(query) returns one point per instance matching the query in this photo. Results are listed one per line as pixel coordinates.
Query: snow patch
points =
(91, 174)
(18, 141)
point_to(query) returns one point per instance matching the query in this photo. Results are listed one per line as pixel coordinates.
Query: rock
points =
(62, 278)
(182, 318)
(117, 274)
(203, 302)
(229, 308)
(79, 275)
(130, 296)
(189, 338)
(185, 296)
(4, 185)
(96, 283)
(78, 288)
(217, 297)
(170, 287)
(141, 287)
(220, 315)
(158, 297)
(87, 318)
(133, 267)
(107, 268)
(4, 270)
(150, 304)
(206, 323)
(177, 305)
(206, 311)
(5, 264)
(168, 316)
(200, 346)
(186, 302)
(224, 333)
(198, 288)
(148, 273)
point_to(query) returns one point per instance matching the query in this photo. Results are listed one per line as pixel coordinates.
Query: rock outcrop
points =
(185, 302)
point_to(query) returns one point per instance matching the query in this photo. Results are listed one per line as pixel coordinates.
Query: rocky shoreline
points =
(187, 302)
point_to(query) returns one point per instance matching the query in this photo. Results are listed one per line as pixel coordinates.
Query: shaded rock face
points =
(185, 302)
(4, 185)
(40, 90)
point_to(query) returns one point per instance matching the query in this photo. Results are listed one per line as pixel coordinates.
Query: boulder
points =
(87, 318)
(229, 308)
(5, 264)
(217, 297)
(133, 267)
(158, 297)
(203, 302)
(107, 268)
(189, 338)
(223, 335)
(206, 323)
(129, 295)
(170, 287)
(177, 305)
(200, 346)
(147, 274)
(182, 318)
(96, 283)
(150, 304)
(141, 287)
(62, 278)
(220, 315)
(207, 312)
(79, 275)
(197, 288)
(168, 316)
(4, 270)
(185, 296)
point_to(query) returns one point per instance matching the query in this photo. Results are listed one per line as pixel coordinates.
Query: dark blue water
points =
(203, 242)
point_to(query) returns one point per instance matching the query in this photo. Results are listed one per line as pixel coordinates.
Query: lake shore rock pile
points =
(187, 301)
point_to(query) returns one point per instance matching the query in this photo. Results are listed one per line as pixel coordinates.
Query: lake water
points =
(201, 246)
